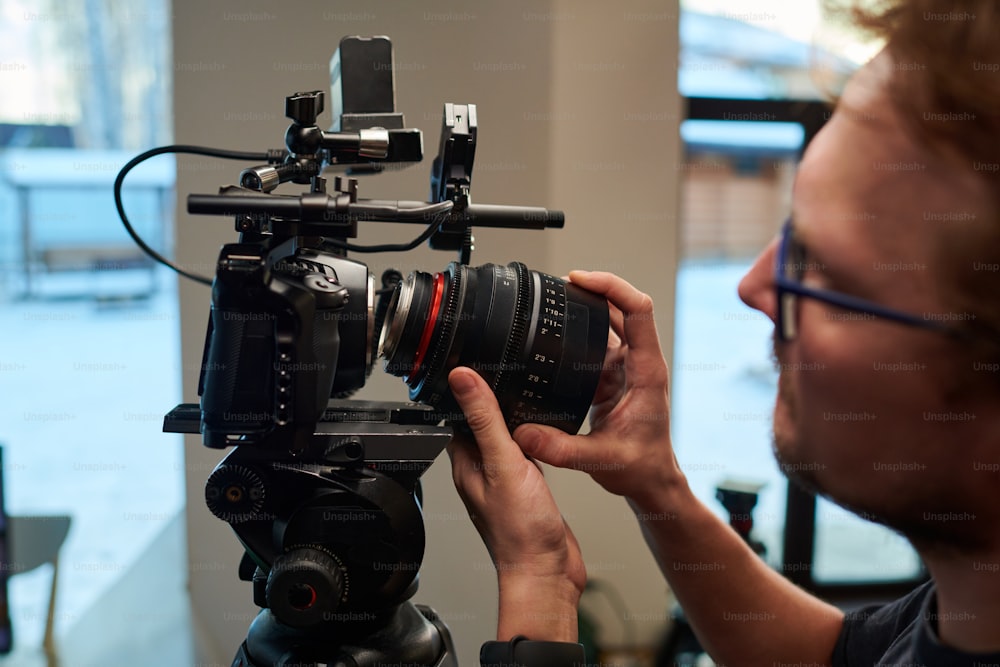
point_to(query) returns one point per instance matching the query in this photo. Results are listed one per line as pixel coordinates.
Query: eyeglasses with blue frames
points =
(790, 266)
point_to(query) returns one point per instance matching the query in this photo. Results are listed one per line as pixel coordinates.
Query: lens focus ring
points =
(538, 341)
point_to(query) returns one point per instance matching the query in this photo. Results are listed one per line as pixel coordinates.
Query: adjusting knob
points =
(304, 587)
(234, 493)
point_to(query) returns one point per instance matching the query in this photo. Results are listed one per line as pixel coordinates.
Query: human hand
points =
(540, 569)
(628, 449)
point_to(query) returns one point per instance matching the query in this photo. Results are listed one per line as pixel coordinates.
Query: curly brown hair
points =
(949, 98)
(956, 45)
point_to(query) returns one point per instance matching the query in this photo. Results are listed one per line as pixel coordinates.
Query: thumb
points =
(550, 445)
(484, 418)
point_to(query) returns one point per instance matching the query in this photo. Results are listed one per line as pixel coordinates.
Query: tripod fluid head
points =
(333, 537)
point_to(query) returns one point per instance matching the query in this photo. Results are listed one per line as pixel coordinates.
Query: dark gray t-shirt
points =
(901, 634)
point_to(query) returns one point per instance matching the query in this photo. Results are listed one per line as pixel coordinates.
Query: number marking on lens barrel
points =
(543, 337)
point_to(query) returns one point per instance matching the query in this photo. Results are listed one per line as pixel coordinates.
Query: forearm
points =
(742, 611)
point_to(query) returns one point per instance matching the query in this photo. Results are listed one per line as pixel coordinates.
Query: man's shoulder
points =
(872, 632)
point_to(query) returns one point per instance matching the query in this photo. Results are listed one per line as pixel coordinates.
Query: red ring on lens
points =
(432, 314)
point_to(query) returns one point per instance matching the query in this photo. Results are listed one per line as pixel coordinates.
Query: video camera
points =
(322, 491)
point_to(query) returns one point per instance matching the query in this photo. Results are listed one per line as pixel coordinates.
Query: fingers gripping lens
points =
(538, 341)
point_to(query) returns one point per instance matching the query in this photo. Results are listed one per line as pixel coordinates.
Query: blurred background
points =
(642, 121)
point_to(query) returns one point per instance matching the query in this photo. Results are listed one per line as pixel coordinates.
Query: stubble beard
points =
(902, 517)
(785, 427)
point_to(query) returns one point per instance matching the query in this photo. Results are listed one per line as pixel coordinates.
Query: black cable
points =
(177, 148)
(442, 209)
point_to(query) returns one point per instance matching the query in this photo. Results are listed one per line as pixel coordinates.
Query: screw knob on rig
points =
(304, 108)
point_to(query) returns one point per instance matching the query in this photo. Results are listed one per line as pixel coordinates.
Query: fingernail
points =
(462, 383)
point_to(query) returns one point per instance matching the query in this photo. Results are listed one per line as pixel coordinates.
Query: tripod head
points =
(333, 535)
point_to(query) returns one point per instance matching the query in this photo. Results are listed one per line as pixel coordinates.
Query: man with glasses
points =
(888, 261)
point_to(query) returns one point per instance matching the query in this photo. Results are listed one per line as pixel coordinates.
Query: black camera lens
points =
(538, 341)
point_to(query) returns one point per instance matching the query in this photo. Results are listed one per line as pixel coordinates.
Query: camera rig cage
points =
(322, 491)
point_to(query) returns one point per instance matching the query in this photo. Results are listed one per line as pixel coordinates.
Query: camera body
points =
(290, 327)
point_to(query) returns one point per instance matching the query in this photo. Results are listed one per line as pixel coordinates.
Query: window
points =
(740, 68)
(91, 354)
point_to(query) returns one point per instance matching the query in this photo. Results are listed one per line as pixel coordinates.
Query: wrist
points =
(663, 501)
(539, 608)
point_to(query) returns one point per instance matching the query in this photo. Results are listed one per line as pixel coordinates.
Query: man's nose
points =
(756, 289)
